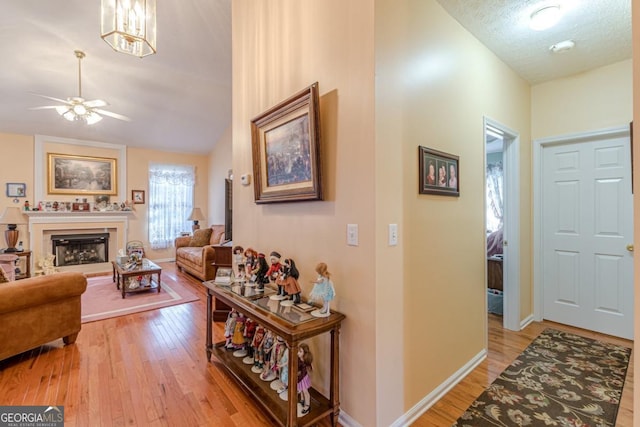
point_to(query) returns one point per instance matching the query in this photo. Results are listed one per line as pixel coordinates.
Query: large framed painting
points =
(286, 150)
(439, 172)
(67, 174)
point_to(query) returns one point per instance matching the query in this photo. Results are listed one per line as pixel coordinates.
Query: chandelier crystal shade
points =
(129, 26)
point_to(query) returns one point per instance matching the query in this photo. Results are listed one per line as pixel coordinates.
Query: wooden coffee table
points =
(121, 272)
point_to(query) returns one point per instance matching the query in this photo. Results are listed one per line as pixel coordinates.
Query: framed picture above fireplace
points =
(74, 175)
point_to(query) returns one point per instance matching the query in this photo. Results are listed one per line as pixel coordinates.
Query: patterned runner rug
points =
(560, 379)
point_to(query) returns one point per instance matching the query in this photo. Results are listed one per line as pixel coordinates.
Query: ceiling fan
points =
(76, 107)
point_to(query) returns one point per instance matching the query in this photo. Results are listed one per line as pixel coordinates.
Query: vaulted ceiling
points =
(180, 98)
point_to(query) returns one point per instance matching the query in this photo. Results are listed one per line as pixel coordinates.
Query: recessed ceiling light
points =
(545, 18)
(562, 46)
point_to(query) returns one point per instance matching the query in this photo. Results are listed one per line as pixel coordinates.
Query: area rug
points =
(560, 379)
(102, 300)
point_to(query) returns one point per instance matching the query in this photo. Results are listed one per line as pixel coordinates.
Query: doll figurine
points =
(229, 329)
(238, 262)
(250, 327)
(256, 345)
(289, 280)
(261, 273)
(283, 366)
(280, 353)
(250, 263)
(274, 273)
(322, 290)
(268, 344)
(237, 339)
(305, 358)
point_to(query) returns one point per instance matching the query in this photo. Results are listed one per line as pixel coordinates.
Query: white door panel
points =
(587, 223)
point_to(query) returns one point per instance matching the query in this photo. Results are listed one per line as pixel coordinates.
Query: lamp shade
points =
(196, 215)
(13, 215)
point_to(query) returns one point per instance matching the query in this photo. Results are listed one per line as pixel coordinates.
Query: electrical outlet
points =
(352, 234)
(393, 234)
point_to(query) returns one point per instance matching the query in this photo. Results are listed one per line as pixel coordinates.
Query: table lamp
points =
(196, 215)
(12, 217)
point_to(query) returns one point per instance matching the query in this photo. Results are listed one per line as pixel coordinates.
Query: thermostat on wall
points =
(245, 179)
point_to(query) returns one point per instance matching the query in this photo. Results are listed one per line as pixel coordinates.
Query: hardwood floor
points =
(144, 369)
(504, 347)
(150, 369)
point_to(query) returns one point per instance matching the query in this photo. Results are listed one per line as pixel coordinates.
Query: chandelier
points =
(129, 26)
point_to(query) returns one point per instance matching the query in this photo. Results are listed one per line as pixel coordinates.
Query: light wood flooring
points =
(150, 369)
(504, 347)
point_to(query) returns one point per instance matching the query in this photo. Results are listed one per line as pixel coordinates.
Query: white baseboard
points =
(526, 321)
(429, 400)
(347, 421)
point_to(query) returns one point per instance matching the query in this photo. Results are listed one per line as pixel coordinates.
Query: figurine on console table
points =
(229, 328)
(250, 267)
(261, 273)
(289, 281)
(305, 358)
(238, 263)
(274, 274)
(322, 290)
(256, 346)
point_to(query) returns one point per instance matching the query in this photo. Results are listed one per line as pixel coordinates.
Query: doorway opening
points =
(502, 219)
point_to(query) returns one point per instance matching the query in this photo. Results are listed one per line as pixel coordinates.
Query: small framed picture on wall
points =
(137, 196)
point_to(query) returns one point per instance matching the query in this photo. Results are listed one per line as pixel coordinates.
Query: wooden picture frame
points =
(137, 196)
(286, 150)
(439, 172)
(67, 174)
(16, 189)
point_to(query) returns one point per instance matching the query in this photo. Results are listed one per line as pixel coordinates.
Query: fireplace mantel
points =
(84, 216)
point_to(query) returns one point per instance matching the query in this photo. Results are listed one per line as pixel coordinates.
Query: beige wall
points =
(21, 169)
(636, 197)
(279, 48)
(138, 161)
(219, 165)
(434, 85)
(589, 101)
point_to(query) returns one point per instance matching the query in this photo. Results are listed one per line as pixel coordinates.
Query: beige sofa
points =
(38, 310)
(198, 258)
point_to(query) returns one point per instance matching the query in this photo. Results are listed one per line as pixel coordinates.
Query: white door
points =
(587, 223)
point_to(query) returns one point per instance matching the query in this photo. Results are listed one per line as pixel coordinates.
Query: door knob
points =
(630, 247)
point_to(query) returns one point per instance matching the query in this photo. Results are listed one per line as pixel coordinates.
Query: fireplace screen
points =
(76, 249)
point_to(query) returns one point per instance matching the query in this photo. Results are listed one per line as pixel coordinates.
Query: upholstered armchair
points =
(38, 310)
(199, 255)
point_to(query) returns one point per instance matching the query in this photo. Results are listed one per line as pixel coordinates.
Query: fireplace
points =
(77, 249)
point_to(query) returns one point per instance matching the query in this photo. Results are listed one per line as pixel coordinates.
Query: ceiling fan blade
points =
(96, 103)
(44, 107)
(112, 115)
(64, 101)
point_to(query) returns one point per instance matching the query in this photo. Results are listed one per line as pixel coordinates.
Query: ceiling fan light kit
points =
(545, 17)
(129, 26)
(75, 108)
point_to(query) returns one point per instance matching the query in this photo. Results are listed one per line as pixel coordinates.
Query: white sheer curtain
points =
(495, 177)
(170, 202)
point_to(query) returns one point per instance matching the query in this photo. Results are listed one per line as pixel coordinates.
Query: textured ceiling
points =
(601, 30)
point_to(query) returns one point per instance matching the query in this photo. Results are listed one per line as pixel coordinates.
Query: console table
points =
(293, 327)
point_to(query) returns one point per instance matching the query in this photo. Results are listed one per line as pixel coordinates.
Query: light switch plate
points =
(352, 234)
(393, 234)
